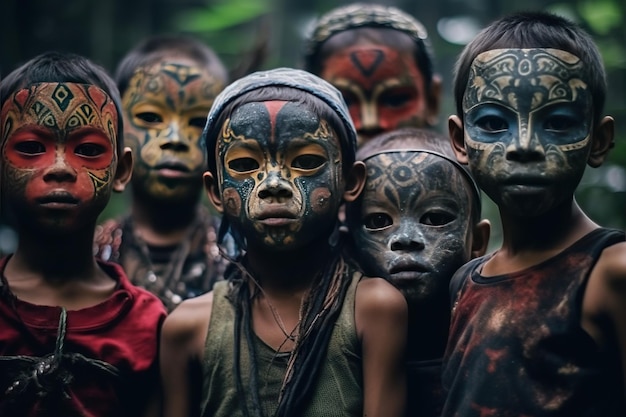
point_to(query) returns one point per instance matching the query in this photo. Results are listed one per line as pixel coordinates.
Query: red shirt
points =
(108, 356)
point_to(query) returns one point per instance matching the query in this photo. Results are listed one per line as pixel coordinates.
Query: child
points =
(538, 326)
(77, 338)
(167, 244)
(295, 331)
(381, 60)
(415, 223)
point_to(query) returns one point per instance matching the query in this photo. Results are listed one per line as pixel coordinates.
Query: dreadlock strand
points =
(322, 308)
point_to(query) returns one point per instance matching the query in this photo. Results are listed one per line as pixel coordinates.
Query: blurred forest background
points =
(238, 29)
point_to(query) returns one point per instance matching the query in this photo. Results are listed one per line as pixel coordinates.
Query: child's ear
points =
(457, 137)
(124, 170)
(212, 190)
(355, 181)
(602, 141)
(434, 101)
(480, 238)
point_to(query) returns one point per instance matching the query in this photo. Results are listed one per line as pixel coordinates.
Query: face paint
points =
(165, 107)
(383, 88)
(279, 170)
(528, 122)
(59, 151)
(414, 226)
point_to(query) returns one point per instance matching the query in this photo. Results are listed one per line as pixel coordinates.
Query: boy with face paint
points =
(295, 330)
(77, 337)
(538, 326)
(167, 243)
(380, 58)
(415, 223)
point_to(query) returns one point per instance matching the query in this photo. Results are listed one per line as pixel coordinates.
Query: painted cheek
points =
(320, 200)
(232, 202)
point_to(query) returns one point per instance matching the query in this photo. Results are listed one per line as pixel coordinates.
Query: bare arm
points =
(604, 304)
(381, 322)
(182, 346)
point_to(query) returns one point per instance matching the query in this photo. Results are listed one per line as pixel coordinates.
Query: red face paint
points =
(59, 147)
(383, 87)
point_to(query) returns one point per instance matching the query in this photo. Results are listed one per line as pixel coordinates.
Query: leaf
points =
(221, 16)
(601, 16)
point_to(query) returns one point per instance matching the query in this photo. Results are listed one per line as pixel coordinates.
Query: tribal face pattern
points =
(414, 226)
(383, 88)
(528, 125)
(280, 174)
(58, 152)
(166, 107)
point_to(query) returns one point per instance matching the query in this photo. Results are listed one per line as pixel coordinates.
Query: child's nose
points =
(275, 186)
(369, 117)
(174, 139)
(60, 170)
(527, 148)
(407, 238)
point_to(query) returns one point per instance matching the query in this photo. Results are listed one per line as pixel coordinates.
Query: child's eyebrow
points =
(247, 143)
(36, 129)
(83, 131)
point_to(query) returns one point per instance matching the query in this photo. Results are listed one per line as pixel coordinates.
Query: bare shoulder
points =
(610, 270)
(377, 292)
(188, 324)
(378, 299)
(605, 294)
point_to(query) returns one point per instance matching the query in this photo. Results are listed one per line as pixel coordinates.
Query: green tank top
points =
(338, 392)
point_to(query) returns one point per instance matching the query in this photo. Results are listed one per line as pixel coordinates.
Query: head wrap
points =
(362, 15)
(281, 77)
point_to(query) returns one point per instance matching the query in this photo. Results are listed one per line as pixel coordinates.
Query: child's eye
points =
(349, 98)
(198, 122)
(243, 165)
(559, 123)
(30, 147)
(149, 117)
(492, 124)
(377, 221)
(89, 150)
(308, 162)
(395, 98)
(437, 218)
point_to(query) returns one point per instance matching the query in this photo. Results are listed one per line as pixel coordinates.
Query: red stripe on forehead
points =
(21, 97)
(273, 107)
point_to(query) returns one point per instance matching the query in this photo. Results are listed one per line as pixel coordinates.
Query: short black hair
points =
(64, 67)
(535, 30)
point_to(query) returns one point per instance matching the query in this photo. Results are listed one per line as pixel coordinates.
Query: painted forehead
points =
(406, 165)
(168, 78)
(277, 122)
(525, 79)
(60, 107)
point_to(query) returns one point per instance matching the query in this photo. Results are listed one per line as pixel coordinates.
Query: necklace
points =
(184, 273)
(294, 334)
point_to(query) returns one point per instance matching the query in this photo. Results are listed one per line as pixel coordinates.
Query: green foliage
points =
(222, 15)
(602, 16)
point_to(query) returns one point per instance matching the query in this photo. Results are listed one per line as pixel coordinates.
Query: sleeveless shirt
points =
(516, 345)
(338, 391)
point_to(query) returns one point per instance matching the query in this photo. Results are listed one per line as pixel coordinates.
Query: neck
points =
(56, 257)
(288, 272)
(556, 229)
(163, 223)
